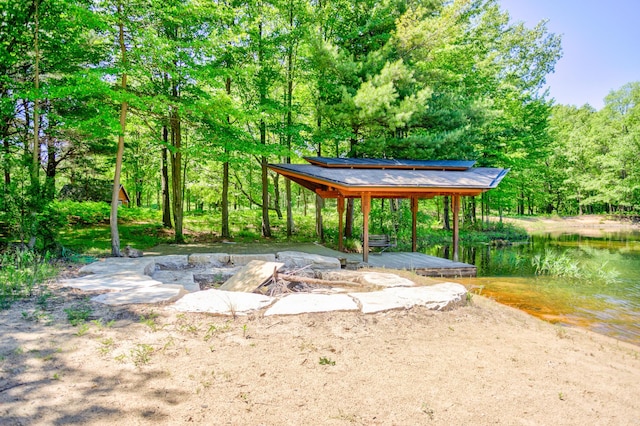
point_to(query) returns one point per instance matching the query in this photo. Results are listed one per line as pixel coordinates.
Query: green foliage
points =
(326, 361)
(561, 264)
(141, 354)
(21, 273)
(79, 313)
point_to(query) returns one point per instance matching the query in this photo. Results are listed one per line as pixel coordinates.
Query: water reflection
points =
(591, 282)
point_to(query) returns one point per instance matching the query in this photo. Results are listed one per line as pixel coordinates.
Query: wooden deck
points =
(422, 264)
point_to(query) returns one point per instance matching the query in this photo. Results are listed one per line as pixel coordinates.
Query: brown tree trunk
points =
(226, 233)
(50, 178)
(176, 172)
(445, 214)
(115, 237)
(166, 201)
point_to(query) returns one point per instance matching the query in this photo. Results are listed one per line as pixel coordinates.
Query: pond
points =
(568, 279)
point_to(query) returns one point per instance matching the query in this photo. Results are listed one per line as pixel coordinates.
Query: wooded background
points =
(193, 99)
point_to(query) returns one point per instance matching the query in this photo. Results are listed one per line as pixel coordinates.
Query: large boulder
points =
(222, 302)
(183, 278)
(251, 276)
(208, 259)
(316, 262)
(367, 278)
(244, 259)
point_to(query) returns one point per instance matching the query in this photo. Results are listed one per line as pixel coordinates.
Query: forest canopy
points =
(194, 98)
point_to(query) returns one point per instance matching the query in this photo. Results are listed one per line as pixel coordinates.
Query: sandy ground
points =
(482, 363)
(586, 225)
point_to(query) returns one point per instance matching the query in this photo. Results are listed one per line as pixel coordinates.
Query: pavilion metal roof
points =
(335, 180)
(385, 163)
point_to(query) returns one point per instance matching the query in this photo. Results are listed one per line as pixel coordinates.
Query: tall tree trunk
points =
(115, 237)
(289, 122)
(348, 220)
(276, 197)
(226, 233)
(266, 227)
(35, 161)
(176, 171)
(166, 202)
(50, 178)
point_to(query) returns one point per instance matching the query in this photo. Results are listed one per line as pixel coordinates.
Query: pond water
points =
(569, 279)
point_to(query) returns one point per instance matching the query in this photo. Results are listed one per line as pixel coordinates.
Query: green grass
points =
(142, 229)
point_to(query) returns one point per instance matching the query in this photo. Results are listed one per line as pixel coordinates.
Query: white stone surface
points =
(297, 260)
(381, 279)
(222, 302)
(251, 276)
(437, 297)
(209, 259)
(243, 259)
(111, 265)
(116, 282)
(305, 302)
(183, 278)
(172, 261)
(152, 294)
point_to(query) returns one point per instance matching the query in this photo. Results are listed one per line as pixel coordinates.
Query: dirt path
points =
(479, 364)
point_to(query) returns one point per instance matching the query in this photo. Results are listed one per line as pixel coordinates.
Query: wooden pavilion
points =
(366, 178)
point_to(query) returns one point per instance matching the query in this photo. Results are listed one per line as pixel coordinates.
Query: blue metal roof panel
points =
(474, 178)
(379, 163)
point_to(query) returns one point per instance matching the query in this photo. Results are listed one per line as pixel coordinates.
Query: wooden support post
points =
(414, 224)
(455, 206)
(340, 201)
(366, 208)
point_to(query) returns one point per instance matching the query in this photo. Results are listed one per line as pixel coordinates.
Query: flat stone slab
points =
(436, 297)
(299, 303)
(112, 265)
(251, 276)
(297, 260)
(152, 294)
(172, 261)
(222, 302)
(114, 282)
(209, 259)
(183, 278)
(381, 279)
(244, 259)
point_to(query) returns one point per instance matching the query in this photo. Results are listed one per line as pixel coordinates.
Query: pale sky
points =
(600, 42)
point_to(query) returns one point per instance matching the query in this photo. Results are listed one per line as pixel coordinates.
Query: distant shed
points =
(123, 197)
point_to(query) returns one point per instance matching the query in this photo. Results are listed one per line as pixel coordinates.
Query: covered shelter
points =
(365, 178)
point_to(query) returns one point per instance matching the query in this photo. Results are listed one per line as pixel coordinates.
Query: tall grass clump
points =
(21, 273)
(560, 264)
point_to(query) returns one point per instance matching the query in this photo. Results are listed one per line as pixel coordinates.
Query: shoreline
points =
(585, 225)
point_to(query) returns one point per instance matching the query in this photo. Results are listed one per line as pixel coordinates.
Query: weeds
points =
(326, 361)
(141, 354)
(83, 328)
(150, 321)
(78, 313)
(21, 272)
(106, 346)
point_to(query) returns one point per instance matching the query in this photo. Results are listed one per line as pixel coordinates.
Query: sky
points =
(600, 43)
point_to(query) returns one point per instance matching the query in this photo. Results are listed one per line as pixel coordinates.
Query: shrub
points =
(21, 271)
(84, 213)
